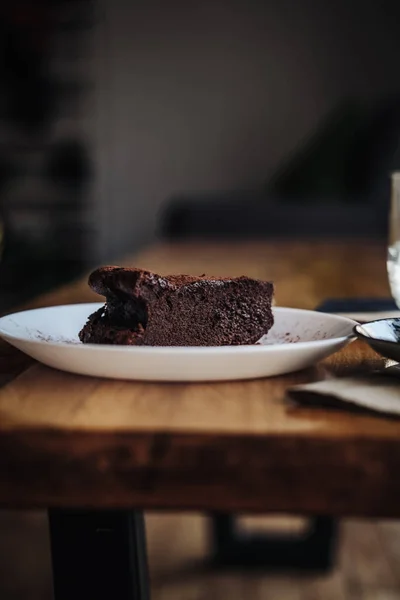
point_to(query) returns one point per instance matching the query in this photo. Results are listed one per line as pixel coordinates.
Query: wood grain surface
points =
(69, 440)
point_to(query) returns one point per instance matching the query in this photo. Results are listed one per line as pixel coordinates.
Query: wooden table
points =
(68, 441)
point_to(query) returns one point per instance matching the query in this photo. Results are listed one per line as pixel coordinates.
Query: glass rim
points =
(395, 175)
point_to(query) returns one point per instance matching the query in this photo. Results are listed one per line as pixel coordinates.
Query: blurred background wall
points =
(213, 95)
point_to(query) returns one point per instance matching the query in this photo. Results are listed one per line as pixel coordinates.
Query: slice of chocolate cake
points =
(143, 308)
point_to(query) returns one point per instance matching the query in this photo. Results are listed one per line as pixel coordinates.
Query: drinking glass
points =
(393, 256)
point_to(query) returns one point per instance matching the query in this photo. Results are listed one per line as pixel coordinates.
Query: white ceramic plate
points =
(298, 339)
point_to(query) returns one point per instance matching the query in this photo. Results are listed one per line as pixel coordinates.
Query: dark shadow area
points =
(336, 184)
(45, 157)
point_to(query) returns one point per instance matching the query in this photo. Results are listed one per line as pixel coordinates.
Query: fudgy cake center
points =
(128, 311)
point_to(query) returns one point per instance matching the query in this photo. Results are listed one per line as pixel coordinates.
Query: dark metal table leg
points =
(98, 554)
(314, 549)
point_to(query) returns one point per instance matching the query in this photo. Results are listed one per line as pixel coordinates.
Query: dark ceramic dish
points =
(382, 335)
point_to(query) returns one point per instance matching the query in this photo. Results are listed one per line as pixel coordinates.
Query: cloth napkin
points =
(377, 392)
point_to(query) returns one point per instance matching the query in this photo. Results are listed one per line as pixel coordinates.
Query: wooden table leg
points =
(98, 554)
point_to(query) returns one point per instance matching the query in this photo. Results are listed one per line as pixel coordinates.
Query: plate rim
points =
(247, 348)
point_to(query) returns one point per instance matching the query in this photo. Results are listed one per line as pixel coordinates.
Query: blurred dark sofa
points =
(336, 183)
